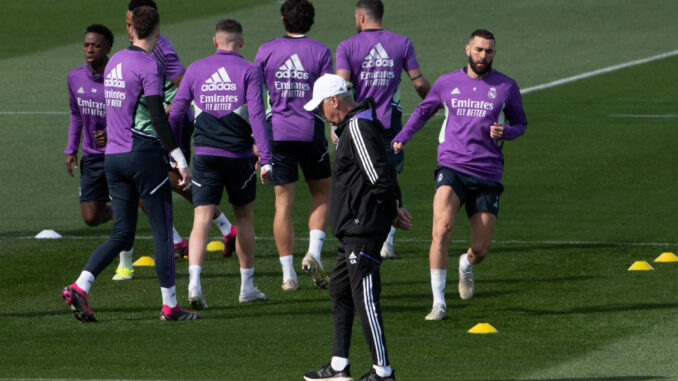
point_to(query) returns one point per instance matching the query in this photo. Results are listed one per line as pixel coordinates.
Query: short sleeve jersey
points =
(376, 58)
(290, 66)
(130, 76)
(88, 110)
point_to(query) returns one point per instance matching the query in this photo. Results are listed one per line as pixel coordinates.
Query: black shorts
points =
(93, 185)
(212, 173)
(312, 157)
(478, 194)
(395, 159)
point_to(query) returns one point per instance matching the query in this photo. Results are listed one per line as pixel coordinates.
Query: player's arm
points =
(74, 133)
(515, 115)
(422, 113)
(345, 74)
(164, 132)
(420, 83)
(181, 103)
(254, 94)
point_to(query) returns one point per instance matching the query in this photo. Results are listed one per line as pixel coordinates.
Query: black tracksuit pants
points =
(355, 284)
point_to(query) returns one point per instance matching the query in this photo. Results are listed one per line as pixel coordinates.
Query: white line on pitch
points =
(33, 113)
(598, 72)
(643, 116)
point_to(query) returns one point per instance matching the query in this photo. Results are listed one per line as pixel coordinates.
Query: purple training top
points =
(130, 75)
(376, 58)
(88, 110)
(168, 58)
(471, 107)
(290, 66)
(228, 94)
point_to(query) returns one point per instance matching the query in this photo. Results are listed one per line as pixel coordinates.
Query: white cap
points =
(324, 87)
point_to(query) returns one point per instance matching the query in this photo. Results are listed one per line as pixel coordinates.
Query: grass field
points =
(590, 188)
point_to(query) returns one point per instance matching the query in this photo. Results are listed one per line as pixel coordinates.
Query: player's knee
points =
(91, 219)
(442, 230)
(480, 251)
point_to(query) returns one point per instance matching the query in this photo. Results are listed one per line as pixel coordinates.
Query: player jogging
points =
(483, 108)
(290, 65)
(229, 108)
(373, 60)
(88, 122)
(136, 165)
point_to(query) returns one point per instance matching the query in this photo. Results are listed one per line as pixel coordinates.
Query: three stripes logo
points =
(377, 58)
(292, 68)
(114, 77)
(219, 81)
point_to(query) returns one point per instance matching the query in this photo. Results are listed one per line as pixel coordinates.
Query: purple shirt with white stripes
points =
(88, 110)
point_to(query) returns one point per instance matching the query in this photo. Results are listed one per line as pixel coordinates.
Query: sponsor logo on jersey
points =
(492, 93)
(377, 58)
(114, 77)
(292, 68)
(455, 91)
(81, 90)
(219, 81)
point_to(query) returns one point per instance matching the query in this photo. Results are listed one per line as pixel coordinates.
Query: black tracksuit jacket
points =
(364, 186)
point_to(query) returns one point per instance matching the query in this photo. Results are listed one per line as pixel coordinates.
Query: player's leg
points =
(446, 204)
(94, 196)
(95, 213)
(283, 231)
(342, 312)
(397, 161)
(202, 218)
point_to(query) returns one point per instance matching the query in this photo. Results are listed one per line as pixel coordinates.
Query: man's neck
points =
(99, 68)
(295, 35)
(146, 44)
(473, 74)
(371, 25)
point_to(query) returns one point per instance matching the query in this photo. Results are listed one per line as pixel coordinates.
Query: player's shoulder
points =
(503, 77)
(78, 71)
(165, 45)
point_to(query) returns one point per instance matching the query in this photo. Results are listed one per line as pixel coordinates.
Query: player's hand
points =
(265, 173)
(100, 138)
(496, 131)
(71, 162)
(333, 135)
(397, 146)
(186, 178)
(403, 220)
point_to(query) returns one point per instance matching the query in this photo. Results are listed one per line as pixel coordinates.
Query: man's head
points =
(134, 4)
(97, 45)
(297, 16)
(145, 22)
(332, 98)
(480, 51)
(368, 13)
(228, 35)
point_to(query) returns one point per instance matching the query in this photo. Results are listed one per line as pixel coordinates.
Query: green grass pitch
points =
(590, 188)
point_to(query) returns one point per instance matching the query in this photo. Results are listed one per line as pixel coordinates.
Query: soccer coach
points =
(363, 206)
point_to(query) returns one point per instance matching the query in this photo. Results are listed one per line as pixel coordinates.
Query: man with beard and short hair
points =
(483, 108)
(373, 61)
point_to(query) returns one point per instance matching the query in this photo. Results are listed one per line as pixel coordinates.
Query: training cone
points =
(215, 246)
(482, 328)
(640, 266)
(666, 257)
(144, 261)
(48, 234)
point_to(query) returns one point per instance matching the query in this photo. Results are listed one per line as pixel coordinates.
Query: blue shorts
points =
(93, 185)
(478, 194)
(212, 173)
(312, 157)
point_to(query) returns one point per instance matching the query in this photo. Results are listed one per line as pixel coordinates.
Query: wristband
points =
(179, 158)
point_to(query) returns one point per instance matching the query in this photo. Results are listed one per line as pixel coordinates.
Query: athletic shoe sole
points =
(79, 305)
(311, 266)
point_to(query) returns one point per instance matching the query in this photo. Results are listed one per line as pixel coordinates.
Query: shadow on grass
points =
(619, 378)
(598, 309)
(540, 280)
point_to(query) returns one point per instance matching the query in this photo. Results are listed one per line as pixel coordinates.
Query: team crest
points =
(492, 93)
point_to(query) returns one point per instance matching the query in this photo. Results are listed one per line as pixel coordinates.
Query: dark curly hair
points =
(145, 20)
(373, 8)
(102, 30)
(134, 4)
(297, 15)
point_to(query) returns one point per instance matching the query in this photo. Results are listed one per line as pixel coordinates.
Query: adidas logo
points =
(292, 69)
(377, 58)
(352, 258)
(114, 77)
(81, 90)
(456, 91)
(219, 81)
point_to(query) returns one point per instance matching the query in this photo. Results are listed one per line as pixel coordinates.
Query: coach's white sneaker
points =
(252, 296)
(197, 300)
(387, 251)
(290, 285)
(465, 282)
(315, 268)
(437, 312)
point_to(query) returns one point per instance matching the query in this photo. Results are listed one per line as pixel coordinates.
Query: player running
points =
(290, 65)
(227, 91)
(136, 165)
(373, 60)
(88, 122)
(483, 108)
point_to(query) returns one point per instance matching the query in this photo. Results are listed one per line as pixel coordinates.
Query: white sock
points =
(194, 277)
(223, 224)
(391, 234)
(169, 296)
(126, 258)
(246, 284)
(438, 280)
(383, 371)
(315, 244)
(288, 267)
(464, 264)
(85, 281)
(339, 363)
(176, 238)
